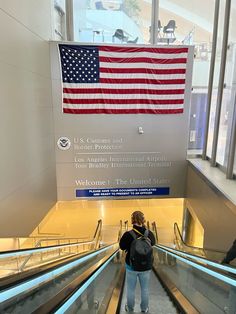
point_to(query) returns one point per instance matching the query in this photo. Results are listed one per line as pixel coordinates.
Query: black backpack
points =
(141, 252)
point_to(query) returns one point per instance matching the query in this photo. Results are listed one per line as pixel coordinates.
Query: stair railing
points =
(94, 244)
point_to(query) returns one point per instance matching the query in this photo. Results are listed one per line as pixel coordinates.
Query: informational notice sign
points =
(122, 192)
(106, 167)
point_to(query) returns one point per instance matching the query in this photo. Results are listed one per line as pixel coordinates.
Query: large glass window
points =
(185, 22)
(59, 20)
(216, 76)
(112, 21)
(228, 93)
(234, 169)
(232, 40)
(178, 22)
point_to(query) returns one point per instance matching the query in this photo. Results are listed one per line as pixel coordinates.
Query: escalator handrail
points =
(177, 231)
(229, 269)
(59, 300)
(14, 253)
(17, 278)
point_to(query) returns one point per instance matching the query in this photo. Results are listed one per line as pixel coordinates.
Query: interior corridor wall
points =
(119, 155)
(27, 166)
(215, 212)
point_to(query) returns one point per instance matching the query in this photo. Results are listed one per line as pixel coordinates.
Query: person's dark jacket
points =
(127, 239)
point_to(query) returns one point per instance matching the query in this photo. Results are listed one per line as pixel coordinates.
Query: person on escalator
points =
(231, 254)
(137, 243)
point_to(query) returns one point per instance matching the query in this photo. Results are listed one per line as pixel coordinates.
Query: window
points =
(114, 21)
(59, 20)
(216, 77)
(228, 98)
(192, 26)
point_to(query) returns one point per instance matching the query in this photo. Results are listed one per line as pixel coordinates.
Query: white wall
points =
(27, 164)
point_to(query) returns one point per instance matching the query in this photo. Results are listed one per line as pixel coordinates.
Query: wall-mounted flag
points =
(123, 79)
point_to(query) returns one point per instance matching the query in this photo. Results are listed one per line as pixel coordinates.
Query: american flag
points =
(123, 79)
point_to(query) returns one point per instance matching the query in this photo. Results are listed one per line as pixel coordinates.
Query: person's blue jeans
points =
(144, 278)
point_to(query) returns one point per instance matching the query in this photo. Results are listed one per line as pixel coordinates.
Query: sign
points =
(123, 192)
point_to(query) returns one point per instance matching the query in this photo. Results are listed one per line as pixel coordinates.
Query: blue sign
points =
(122, 192)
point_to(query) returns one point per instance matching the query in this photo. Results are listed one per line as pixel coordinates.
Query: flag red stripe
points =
(122, 91)
(144, 49)
(124, 101)
(143, 70)
(123, 111)
(141, 81)
(142, 60)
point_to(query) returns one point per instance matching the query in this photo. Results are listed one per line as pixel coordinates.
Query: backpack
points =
(141, 252)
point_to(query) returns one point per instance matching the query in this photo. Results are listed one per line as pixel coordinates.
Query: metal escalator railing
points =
(126, 225)
(19, 260)
(98, 234)
(93, 245)
(120, 231)
(154, 230)
(42, 239)
(209, 253)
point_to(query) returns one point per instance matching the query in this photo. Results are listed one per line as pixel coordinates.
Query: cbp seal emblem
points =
(63, 143)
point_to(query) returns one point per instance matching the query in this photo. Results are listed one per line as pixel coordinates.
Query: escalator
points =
(180, 283)
(27, 290)
(28, 294)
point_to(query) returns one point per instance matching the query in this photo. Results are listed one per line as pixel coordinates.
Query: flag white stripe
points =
(143, 75)
(122, 96)
(141, 54)
(125, 106)
(142, 65)
(125, 86)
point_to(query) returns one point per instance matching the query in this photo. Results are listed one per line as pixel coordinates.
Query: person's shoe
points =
(127, 309)
(145, 311)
